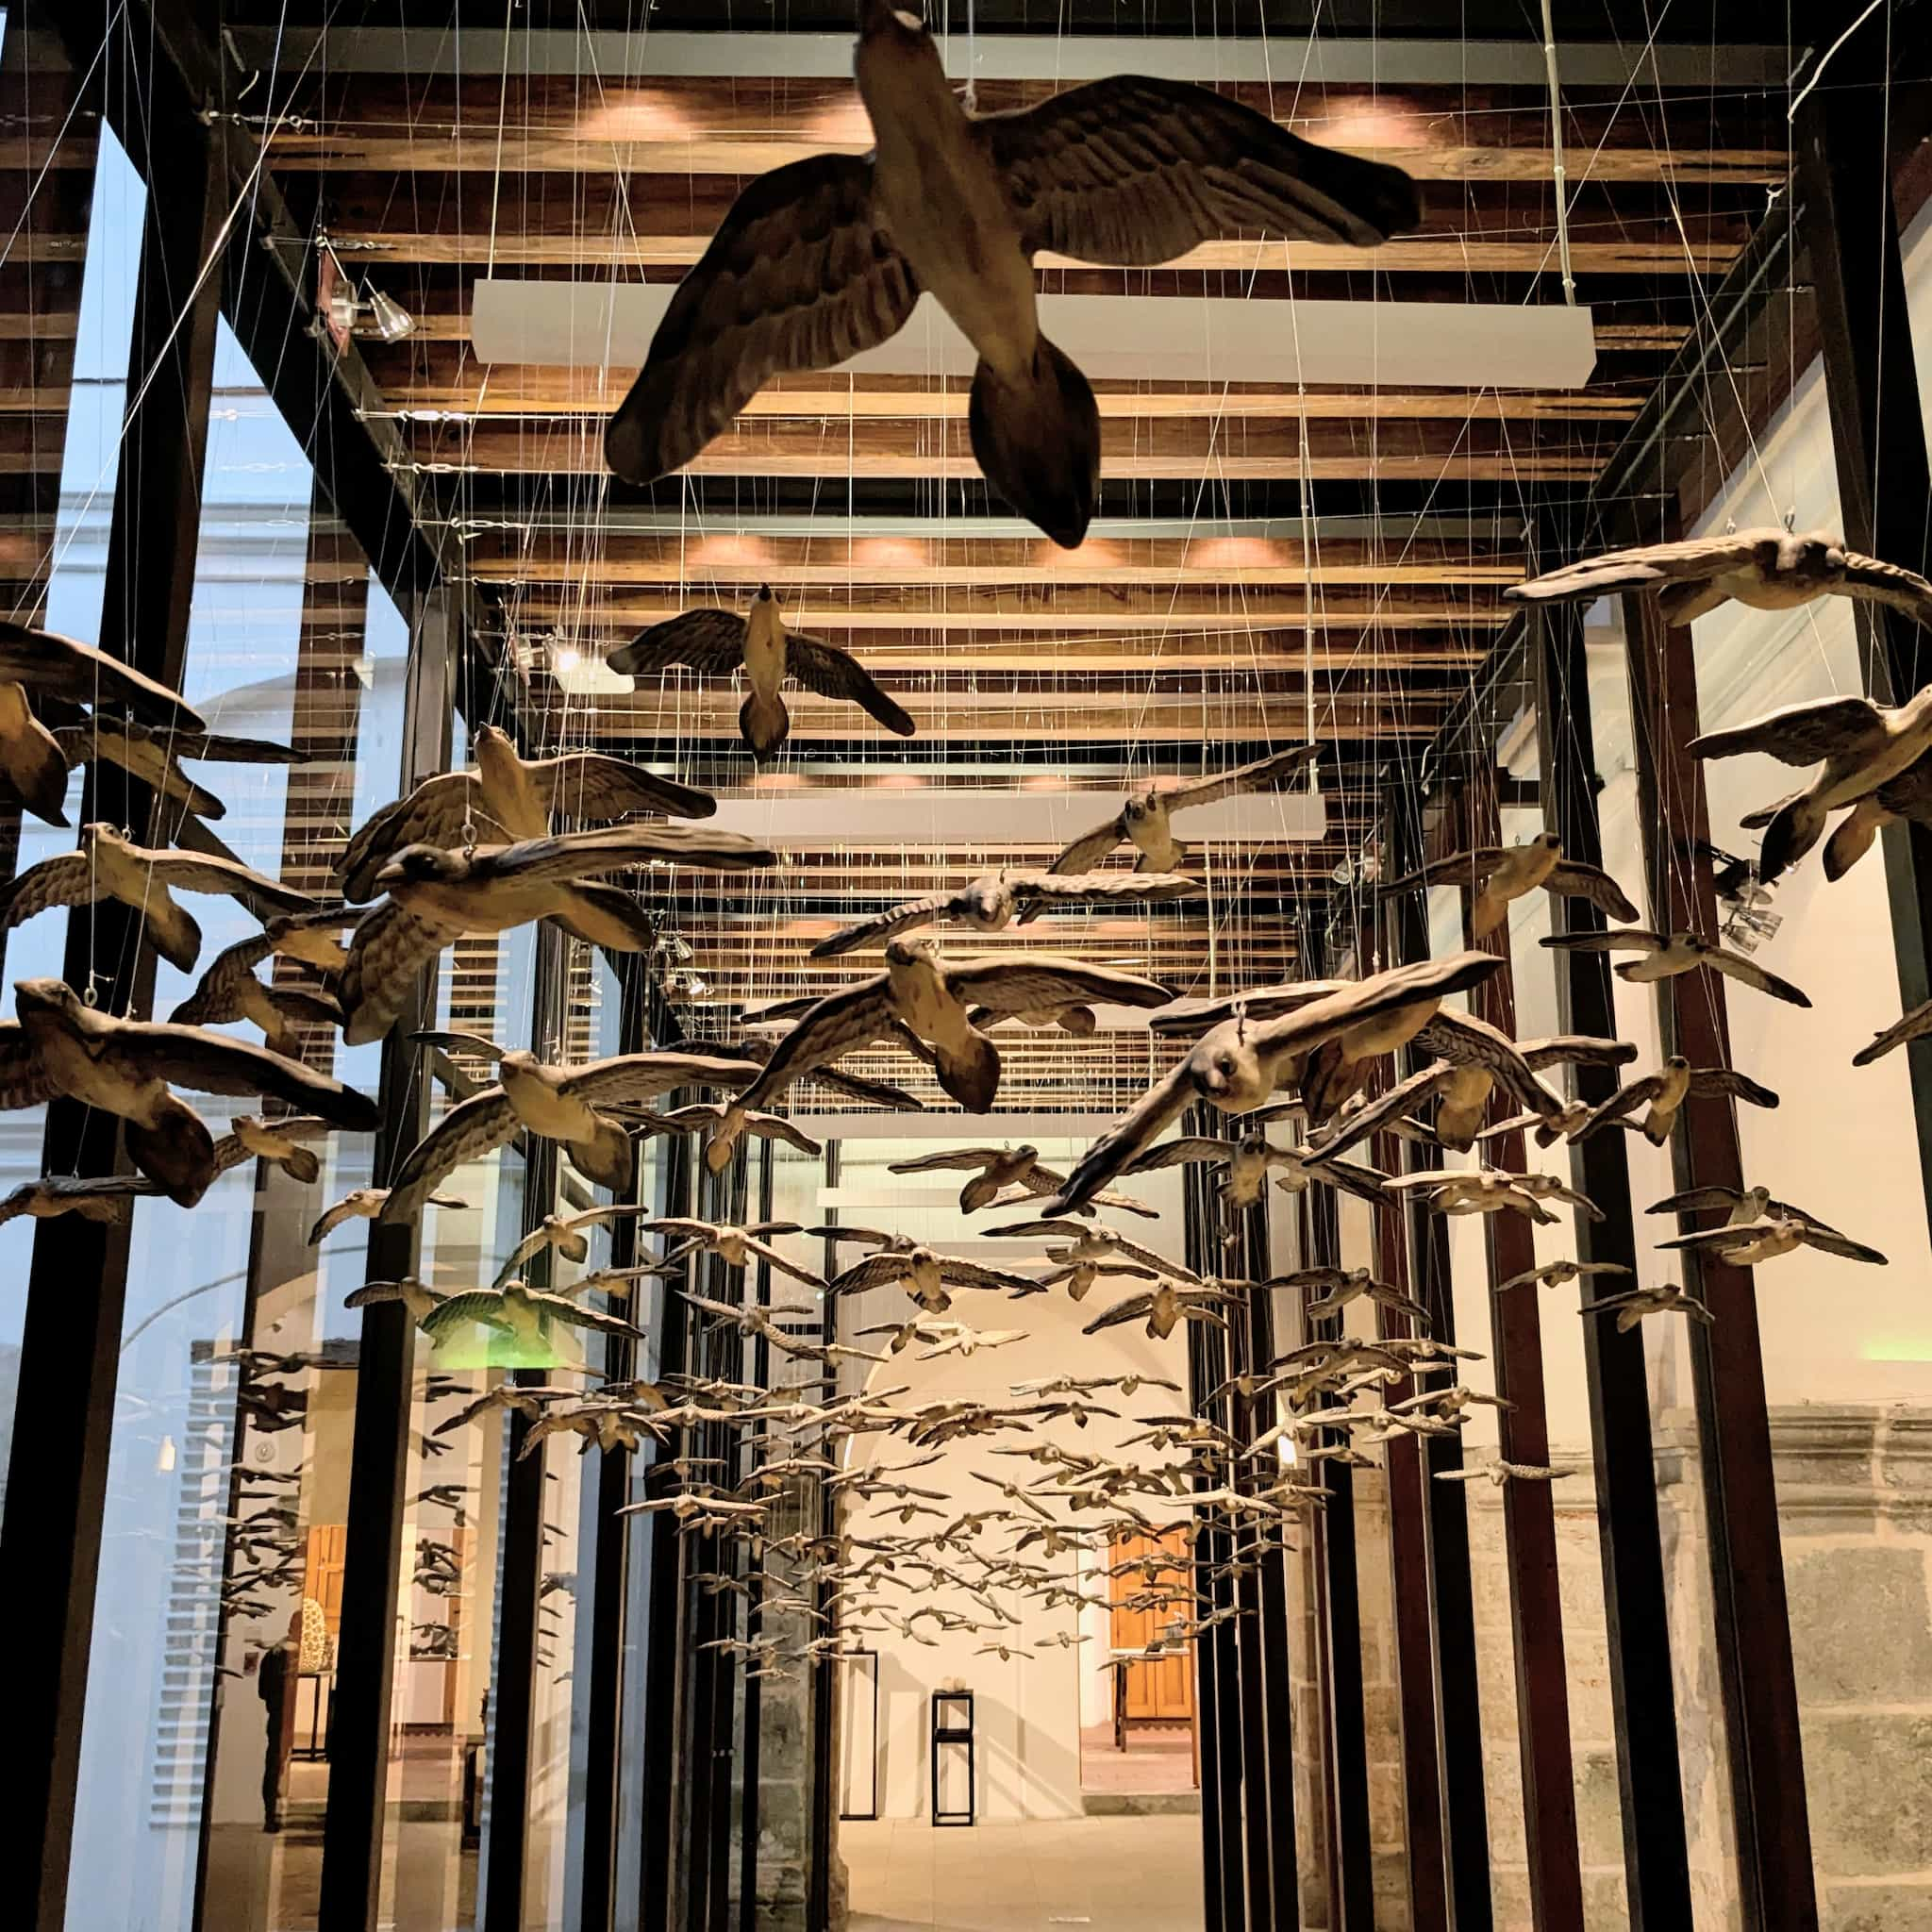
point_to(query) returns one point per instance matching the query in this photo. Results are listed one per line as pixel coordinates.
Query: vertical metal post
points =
(1353, 1881)
(603, 1669)
(77, 1285)
(1274, 1718)
(520, 1568)
(1529, 1517)
(817, 1877)
(760, 1284)
(1657, 1863)
(659, 1771)
(1218, 1713)
(1850, 226)
(1439, 1570)
(380, 1441)
(1753, 1632)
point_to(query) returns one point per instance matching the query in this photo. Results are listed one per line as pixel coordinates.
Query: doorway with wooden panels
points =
(1143, 1752)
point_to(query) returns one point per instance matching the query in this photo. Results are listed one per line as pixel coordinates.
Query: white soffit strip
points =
(1290, 59)
(840, 819)
(1125, 338)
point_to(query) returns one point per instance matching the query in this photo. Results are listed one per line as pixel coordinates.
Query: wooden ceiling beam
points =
(590, 556)
(1071, 606)
(737, 127)
(1191, 451)
(533, 393)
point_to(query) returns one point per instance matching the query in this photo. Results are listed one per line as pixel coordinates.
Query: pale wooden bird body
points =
(1522, 870)
(536, 1090)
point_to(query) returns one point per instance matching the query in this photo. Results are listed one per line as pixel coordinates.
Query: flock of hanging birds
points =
(816, 261)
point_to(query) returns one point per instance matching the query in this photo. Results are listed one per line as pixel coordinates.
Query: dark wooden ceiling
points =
(1267, 560)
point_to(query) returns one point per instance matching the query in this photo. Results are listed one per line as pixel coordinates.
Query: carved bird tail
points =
(1795, 829)
(177, 1151)
(606, 1157)
(1853, 836)
(765, 722)
(970, 1072)
(1037, 441)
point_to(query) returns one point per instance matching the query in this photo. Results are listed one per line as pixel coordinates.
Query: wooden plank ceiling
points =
(1207, 621)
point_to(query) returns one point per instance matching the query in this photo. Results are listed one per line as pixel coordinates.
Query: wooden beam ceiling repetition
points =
(1230, 628)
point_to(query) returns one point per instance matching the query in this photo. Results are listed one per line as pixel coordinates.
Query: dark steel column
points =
(603, 1669)
(380, 1441)
(1449, 1873)
(1849, 223)
(1271, 1711)
(1753, 1632)
(1409, 1483)
(1657, 1866)
(1529, 1517)
(1352, 1884)
(659, 1771)
(760, 1285)
(1216, 1697)
(77, 1285)
(520, 1569)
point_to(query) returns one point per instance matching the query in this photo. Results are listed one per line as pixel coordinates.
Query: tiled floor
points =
(1152, 1762)
(1116, 1875)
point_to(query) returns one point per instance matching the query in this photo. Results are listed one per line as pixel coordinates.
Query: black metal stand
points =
(950, 1729)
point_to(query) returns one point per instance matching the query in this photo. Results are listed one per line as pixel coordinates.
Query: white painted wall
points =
(1028, 1714)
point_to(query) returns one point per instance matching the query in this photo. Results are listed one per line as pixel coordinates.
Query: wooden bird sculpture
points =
(719, 644)
(824, 258)
(60, 1045)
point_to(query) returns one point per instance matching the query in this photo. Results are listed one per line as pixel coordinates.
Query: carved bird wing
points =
(567, 857)
(1797, 734)
(1196, 1017)
(1470, 867)
(839, 1023)
(470, 1130)
(390, 947)
(1257, 776)
(48, 663)
(1040, 982)
(1728, 1081)
(1188, 1151)
(1133, 171)
(213, 1063)
(869, 932)
(835, 673)
(592, 784)
(639, 1077)
(66, 879)
(1576, 1049)
(1749, 972)
(1135, 1131)
(707, 641)
(875, 1270)
(228, 878)
(434, 813)
(1876, 582)
(1089, 848)
(1625, 938)
(1573, 879)
(949, 1159)
(24, 1081)
(1372, 999)
(1369, 1119)
(1134, 1309)
(799, 276)
(963, 1274)
(213, 1000)
(1644, 569)
(1153, 887)
(1832, 1242)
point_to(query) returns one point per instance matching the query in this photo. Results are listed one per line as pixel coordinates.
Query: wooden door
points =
(1158, 1691)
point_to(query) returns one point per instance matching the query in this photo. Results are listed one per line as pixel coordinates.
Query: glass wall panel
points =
(1847, 1347)
(59, 577)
